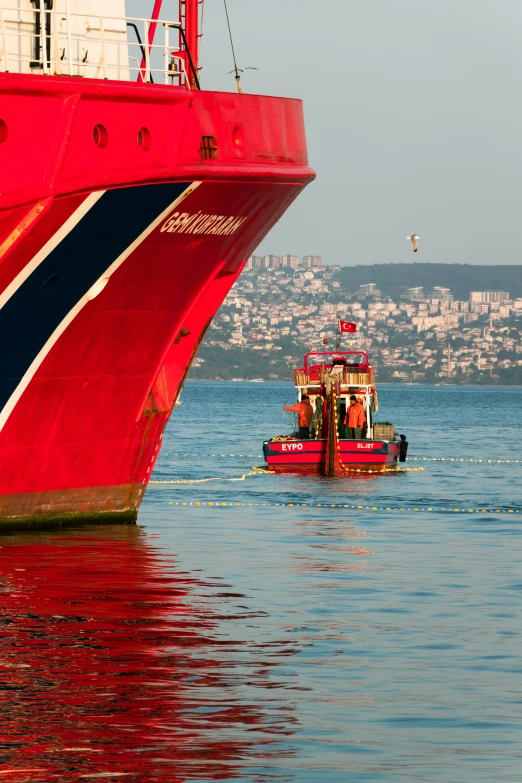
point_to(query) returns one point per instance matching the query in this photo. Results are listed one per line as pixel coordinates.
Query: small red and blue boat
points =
(329, 379)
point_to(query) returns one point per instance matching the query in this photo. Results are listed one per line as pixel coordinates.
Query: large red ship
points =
(129, 200)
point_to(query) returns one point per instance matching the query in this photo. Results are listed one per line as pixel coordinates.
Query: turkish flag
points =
(347, 326)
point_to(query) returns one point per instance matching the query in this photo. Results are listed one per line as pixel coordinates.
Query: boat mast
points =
(189, 17)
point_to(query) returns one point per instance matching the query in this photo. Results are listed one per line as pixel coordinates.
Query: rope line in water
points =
(351, 506)
(464, 459)
(179, 454)
(265, 471)
(410, 459)
(253, 472)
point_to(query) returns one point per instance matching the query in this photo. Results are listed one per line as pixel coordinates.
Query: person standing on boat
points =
(355, 418)
(305, 414)
(317, 420)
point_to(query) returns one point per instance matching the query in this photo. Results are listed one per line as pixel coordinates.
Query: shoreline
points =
(380, 383)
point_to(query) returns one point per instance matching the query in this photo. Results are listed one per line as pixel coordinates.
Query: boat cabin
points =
(354, 374)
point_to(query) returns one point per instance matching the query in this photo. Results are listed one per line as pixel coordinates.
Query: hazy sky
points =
(413, 114)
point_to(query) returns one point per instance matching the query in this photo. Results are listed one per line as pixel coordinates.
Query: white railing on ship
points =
(119, 57)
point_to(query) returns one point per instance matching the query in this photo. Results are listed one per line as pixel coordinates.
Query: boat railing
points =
(349, 376)
(61, 43)
(350, 358)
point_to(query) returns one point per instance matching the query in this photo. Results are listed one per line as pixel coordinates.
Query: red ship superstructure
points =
(129, 200)
(330, 380)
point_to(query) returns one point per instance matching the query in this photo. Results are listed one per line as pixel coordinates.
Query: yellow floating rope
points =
(254, 472)
(186, 454)
(351, 506)
(465, 459)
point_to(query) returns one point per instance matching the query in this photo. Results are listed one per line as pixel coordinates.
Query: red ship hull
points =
(113, 261)
(310, 456)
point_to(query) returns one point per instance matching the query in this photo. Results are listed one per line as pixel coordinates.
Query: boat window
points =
(38, 44)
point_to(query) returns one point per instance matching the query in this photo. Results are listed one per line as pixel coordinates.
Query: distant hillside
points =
(393, 279)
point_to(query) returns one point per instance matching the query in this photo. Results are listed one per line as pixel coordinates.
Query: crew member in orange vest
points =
(305, 414)
(355, 418)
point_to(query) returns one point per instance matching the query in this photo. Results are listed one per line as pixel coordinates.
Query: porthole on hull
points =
(100, 136)
(144, 139)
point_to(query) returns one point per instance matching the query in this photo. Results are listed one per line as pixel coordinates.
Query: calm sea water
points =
(277, 643)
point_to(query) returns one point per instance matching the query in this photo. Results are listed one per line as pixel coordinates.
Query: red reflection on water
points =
(112, 664)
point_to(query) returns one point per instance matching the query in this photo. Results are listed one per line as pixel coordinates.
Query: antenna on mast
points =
(235, 69)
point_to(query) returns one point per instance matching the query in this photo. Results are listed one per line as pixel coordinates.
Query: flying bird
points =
(413, 239)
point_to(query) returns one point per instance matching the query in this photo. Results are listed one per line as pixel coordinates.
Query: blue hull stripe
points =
(31, 316)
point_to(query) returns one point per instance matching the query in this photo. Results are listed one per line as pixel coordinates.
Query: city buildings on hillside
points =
(312, 261)
(274, 262)
(287, 304)
(488, 296)
(291, 261)
(368, 289)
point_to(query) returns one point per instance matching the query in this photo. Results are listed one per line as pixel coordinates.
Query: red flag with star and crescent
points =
(347, 326)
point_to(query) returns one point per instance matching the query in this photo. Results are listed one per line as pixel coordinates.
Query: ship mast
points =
(189, 17)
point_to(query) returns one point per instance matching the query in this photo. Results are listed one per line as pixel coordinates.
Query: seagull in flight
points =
(414, 241)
